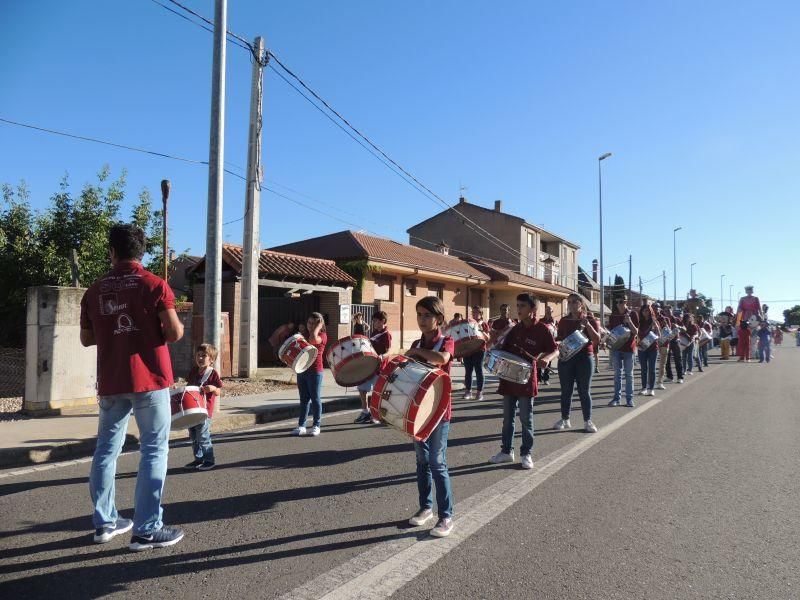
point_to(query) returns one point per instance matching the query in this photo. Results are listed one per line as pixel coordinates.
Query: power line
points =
(233, 38)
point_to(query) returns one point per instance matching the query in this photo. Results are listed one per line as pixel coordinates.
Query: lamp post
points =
(675, 267)
(730, 294)
(691, 275)
(600, 159)
(721, 296)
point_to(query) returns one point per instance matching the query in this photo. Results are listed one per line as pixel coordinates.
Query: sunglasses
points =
(621, 301)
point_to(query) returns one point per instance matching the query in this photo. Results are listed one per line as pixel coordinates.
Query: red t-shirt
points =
(440, 343)
(381, 341)
(500, 323)
(647, 327)
(691, 330)
(534, 339)
(323, 341)
(122, 308)
(195, 377)
(567, 325)
(619, 319)
(749, 306)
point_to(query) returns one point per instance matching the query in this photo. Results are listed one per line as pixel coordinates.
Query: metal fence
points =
(366, 310)
(12, 372)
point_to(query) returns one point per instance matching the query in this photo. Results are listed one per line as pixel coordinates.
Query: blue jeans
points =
(704, 354)
(474, 361)
(647, 362)
(764, 351)
(309, 383)
(432, 470)
(510, 404)
(201, 441)
(688, 358)
(152, 413)
(620, 361)
(577, 370)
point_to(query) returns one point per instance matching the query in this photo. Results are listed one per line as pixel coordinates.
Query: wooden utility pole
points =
(165, 187)
(74, 267)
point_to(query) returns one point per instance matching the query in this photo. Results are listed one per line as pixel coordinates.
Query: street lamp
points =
(721, 297)
(730, 294)
(691, 275)
(675, 268)
(600, 159)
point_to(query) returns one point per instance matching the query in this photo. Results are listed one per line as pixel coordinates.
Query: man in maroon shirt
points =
(500, 324)
(129, 313)
(533, 342)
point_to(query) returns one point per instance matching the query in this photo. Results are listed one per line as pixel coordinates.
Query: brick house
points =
(589, 288)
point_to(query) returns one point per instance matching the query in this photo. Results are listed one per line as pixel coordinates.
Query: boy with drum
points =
(205, 376)
(531, 341)
(474, 361)
(381, 340)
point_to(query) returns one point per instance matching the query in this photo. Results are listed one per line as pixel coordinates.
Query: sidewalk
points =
(47, 439)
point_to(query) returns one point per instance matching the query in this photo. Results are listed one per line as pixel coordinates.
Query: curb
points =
(22, 457)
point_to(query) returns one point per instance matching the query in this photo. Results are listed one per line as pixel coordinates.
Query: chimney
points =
(443, 248)
(594, 270)
(171, 255)
(498, 205)
(462, 200)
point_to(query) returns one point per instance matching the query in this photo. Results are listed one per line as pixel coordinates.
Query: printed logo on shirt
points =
(125, 324)
(109, 304)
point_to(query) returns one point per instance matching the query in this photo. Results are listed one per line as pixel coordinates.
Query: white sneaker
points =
(643, 392)
(526, 461)
(660, 386)
(315, 430)
(467, 395)
(680, 380)
(502, 457)
(589, 427)
(421, 517)
(650, 393)
(299, 431)
(562, 424)
(479, 397)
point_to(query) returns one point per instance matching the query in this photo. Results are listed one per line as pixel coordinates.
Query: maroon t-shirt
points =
(440, 343)
(646, 327)
(619, 319)
(122, 308)
(691, 330)
(381, 341)
(567, 325)
(523, 341)
(500, 323)
(195, 377)
(323, 337)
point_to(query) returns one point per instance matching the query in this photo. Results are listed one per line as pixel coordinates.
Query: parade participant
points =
(725, 337)
(692, 331)
(702, 349)
(744, 342)
(500, 324)
(544, 372)
(580, 368)
(359, 327)
(675, 347)
(280, 334)
(778, 336)
(474, 361)
(622, 358)
(309, 382)
(381, 340)
(437, 349)
(456, 318)
(749, 305)
(764, 339)
(649, 355)
(531, 341)
(204, 376)
(664, 321)
(129, 313)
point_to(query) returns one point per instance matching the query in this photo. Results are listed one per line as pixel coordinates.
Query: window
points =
(410, 287)
(530, 239)
(531, 270)
(436, 289)
(383, 288)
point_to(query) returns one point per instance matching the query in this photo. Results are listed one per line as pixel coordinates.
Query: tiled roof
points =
(496, 272)
(586, 280)
(273, 264)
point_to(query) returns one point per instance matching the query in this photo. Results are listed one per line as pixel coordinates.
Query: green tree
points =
(791, 316)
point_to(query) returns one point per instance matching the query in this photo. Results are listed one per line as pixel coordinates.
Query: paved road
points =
(693, 494)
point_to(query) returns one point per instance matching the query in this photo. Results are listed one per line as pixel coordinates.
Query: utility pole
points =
(664, 280)
(216, 155)
(600, 159)
(251, 241)
(165, 187)
(630, 272)
(640, 288)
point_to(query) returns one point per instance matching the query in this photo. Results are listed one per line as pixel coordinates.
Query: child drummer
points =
(381, 340)
(531, 341)
(437, 349)
(208, 380)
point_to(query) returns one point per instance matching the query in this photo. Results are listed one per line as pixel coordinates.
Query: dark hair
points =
(434, 306)
(381, 316)
(651, 311)
(532, 300)
(476, 307)
(127, 241)
(318, 318)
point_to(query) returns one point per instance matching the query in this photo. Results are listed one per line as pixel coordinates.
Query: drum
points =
(467, 337)
(297, 353)
(666, 336)
(410, 396)
(684, 341)
(507, 366)
(705, 337)
(188, 405)
(353, 360)
(648, 340)
(571, 345)
(617, 337)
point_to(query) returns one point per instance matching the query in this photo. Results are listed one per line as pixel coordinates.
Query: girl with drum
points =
(622, 357)
(381, 340)
(691, 333)
(309, 382)
(579, 368)
(474, 361)
(648, 348)
(436, 349)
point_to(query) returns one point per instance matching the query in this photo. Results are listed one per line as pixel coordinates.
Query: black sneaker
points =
(166, 536)
(206, 466)
(104, 534)
(194, 464)
(364, 417)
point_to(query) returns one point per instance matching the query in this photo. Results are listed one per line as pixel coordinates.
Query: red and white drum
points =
(353, 360)
(467, 337)
(297, 353)
(410, 396)
(188, 405)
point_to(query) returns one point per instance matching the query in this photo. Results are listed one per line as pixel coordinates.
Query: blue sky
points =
(514, 100)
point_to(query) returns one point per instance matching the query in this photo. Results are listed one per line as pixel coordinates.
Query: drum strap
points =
(204, 377)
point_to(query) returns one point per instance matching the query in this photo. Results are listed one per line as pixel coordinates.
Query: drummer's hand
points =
(584, 321)
(411, 352)
(210, 389)
(541, 363)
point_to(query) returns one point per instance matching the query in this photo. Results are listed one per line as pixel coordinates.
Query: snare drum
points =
(648, 340)
(617, 337)
(507, 366)
(705, 337)
(297, 353)
(410, 396)
(467, 337)
(571, 345)
(684, 341)
(353, 360)
(188, 406)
